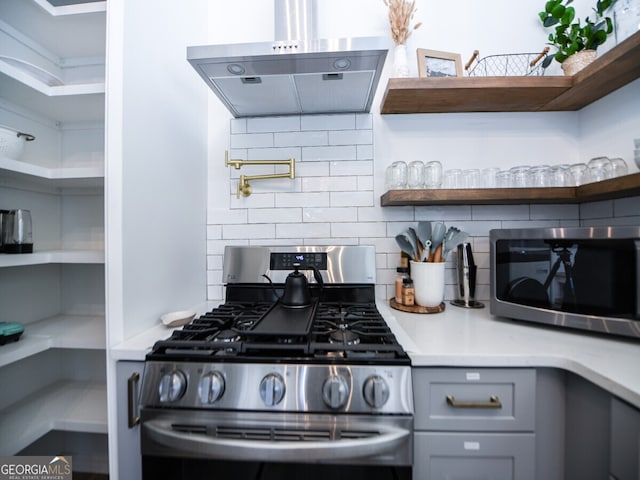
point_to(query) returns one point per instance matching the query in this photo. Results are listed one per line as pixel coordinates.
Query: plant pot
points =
(578, 61)
(428, 283)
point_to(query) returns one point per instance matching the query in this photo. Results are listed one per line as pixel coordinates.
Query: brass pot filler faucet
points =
(244, 188)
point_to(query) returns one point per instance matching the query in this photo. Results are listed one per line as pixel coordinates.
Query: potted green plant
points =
(571, 36)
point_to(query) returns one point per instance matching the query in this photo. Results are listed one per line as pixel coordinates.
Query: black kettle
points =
(296, 290)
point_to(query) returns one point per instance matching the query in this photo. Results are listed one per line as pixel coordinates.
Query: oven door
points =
(193, 444)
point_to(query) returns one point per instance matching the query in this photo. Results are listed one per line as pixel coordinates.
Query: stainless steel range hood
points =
(295, 75)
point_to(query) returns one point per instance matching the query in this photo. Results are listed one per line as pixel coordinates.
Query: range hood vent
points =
(293, 76)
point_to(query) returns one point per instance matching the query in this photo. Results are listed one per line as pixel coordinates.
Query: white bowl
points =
(177, 319)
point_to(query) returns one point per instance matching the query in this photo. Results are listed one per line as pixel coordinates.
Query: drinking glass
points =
(559, 176)
(388, 178)
(599, 169)
(433, 175)
(452, 178)
(579, 174)
(471, 178)
(540, 176)
(415, 175)
(503, 179)
(488, 177)
(399, 174)
(619, 167)
(520, 176)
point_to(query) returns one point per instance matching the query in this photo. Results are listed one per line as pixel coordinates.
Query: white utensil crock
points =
(428, 282)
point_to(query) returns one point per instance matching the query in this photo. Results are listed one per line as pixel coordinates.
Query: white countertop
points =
(460, 337)
(136, 347)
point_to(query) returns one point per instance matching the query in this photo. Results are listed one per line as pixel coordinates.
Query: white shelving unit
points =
(52, 85)
(55, 177)
(59, 331)
(154, 226)
(64, 406)
(53, 257)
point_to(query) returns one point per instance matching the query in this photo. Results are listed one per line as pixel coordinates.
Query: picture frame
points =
(433, 63)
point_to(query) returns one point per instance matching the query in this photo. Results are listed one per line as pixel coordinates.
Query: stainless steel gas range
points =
(296, 375)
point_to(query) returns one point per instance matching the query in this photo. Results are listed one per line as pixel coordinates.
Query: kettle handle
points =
(318, 277)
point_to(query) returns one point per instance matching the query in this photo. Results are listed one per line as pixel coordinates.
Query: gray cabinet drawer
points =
(467, 399)
(464, 456)
(625, 441)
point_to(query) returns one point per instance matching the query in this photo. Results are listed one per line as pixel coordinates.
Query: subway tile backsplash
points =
(335, 199)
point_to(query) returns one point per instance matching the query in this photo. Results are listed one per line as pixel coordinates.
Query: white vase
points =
(428, 283)
(400, 62)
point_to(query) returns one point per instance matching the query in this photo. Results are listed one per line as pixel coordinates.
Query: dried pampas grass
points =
(401, 14)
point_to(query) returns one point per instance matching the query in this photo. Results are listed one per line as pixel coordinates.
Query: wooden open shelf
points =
(619, 187)
(614, 69)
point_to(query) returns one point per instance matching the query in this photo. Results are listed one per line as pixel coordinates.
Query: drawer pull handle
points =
(132, 400)
(494, 402)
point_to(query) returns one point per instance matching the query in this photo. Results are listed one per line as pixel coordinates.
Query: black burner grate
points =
(339, 332)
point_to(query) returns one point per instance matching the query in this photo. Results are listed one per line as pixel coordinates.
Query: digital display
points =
(301, 260)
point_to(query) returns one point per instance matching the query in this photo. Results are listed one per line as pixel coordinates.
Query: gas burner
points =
(345, 337)
(244, 323)
(226, 336)
(343, 313)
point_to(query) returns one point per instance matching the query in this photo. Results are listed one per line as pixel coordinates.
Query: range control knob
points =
(272, 389)
(211, 387)
(375, 391)
(335, 391)
(172, 386)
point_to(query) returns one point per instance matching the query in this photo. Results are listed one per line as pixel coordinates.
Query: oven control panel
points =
(301, 260)
(339, 264)
(383, 389)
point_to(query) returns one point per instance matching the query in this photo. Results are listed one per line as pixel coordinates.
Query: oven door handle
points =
(203, 445)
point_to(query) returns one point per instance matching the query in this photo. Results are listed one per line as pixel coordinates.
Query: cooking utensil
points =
(447, 239)
(405, 245)
(413, 237)
(453, 240)
(424, 235)
(437, 236)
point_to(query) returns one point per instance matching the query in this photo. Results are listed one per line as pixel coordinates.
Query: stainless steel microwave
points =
(581, 277)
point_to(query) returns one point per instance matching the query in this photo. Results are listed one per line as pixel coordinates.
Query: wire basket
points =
(507, 65)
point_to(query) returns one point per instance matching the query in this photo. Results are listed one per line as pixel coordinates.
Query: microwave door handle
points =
(267, 450)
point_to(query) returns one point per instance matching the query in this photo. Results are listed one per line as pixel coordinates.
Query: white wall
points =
(457, 140)
(156, 145)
